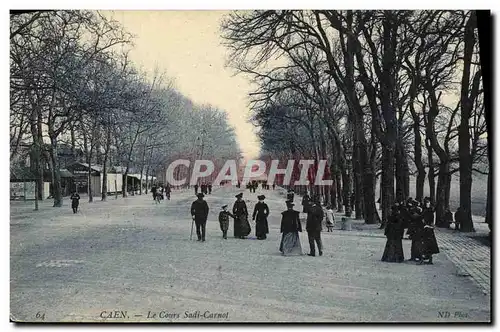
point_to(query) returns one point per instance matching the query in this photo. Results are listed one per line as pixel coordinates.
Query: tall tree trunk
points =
(466, 104)
(37, 153)
(104, 193)
(56, 181)
(419, 189)
(442, 193)
(387, 180)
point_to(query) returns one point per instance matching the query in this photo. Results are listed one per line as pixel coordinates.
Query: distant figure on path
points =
(241, 224)
(313, 227)
(260, 213)
(274, 186)
(199, 212)
(196, 189)
(459, 216)
(154, 189)
(209, 188)
(75, 201)
(290, 195)
(168, 190)
(305, 202)
(330, 218)
(224, 221)
(394, 231)
(290, 227)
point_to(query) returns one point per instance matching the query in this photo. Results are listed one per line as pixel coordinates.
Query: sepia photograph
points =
(250, 166)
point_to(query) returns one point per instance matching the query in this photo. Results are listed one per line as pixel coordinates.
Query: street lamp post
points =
(347, 198)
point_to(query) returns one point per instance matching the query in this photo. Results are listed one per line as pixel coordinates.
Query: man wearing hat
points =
(199, 212)
(290, 227)
(241, 225)
(313, 227)
(224, 220)
(261, 211)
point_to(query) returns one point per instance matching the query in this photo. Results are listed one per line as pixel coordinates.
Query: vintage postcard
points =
(247, 166)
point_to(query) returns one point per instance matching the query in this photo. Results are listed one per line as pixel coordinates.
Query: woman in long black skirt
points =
(429, 244)
(394, 231)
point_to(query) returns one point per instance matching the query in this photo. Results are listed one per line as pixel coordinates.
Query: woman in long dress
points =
(290, 227)
(429, 243)
(240, 212)
(394, 231)
(260, 213)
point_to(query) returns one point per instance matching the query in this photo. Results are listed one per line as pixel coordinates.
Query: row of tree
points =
(376, 93)
(72, 82)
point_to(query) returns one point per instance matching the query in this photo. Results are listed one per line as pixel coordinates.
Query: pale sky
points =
(186, 45)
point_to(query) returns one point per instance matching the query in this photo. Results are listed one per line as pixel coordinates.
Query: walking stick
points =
(191, 236)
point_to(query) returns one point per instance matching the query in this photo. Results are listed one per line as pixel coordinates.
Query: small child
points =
(330, 218)
(224, 221)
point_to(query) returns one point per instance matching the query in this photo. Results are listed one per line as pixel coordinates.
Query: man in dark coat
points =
(241, 224)
(75, 201)
(154, 189)
(394, 232)
(260, 213)
(196, 189)
(290, 227)
(290, 195)
(224, 220)
(209, 188)
(199, 212)
(313, 227)
(305, 202)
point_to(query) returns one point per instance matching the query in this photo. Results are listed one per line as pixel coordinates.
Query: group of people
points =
(205, 188)
(159, 192)
(418, 219)
(291, 226)
(241, 226)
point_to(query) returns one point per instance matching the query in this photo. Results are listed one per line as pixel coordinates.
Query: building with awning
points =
(23, 181)
(81, 173)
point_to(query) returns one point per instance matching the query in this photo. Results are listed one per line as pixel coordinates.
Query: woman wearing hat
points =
(394, 232)
(224, 220)
(261, 211)
(241, 224)
(290, 227)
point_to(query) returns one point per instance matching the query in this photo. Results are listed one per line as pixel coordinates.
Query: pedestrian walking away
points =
(168, 190)
(153, 190)
(313, 227)
(330, 218)
(417, 234)
(75, 201)
(240, 212)
(196, 189)
(224, 221)
(290, 228)
(260, 214)
(394, 231)
(199, 213)
(305, 202)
